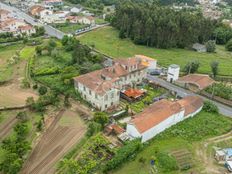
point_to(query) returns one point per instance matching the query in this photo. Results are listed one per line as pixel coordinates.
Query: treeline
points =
(159, 26)
(170, 2)
(95, 4)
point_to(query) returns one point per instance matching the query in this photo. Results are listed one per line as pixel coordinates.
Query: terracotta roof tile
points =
(102, 80)
(191, 104)
(202, 81)
(2, 11)
(163, 109)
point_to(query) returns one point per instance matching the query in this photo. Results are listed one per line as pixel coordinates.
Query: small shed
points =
(195, 82)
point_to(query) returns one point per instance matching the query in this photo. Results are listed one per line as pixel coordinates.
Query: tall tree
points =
(214, 68)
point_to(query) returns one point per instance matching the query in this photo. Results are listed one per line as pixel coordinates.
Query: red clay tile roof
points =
(191, 104)
(155, 114)
(163, 109)
(202, 81)
(36, 9)
(2, 11)
(144, 57)
(96, 82)
(117, 129)
(26, 27)
(134, 93)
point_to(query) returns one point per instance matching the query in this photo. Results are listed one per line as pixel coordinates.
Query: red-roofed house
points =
(27, 29)
(4, 14)
(102, 88)
(162, 115)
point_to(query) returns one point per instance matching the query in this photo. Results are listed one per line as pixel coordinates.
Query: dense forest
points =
(159, 26)
(93, 2)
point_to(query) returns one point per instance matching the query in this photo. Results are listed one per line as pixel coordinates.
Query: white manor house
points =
(102, 88)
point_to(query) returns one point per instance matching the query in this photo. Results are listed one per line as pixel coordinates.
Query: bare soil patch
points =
(12, 95)
(64, 132)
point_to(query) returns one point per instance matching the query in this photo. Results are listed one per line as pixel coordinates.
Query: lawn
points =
(184, 135)
(69, 28)
(6, 53)
(107, 41)
(27, 52)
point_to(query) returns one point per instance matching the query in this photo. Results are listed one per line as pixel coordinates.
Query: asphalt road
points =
(223, 109)
(49, 29)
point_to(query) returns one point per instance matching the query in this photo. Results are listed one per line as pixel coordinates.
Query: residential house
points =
(148, 61)
(53, 2)
(27, 30)
(162, 115)
(87, 20)
(11, 25)
(101, 88)
(76, 9)
(4, 14)
(35, 10)
(87, 13)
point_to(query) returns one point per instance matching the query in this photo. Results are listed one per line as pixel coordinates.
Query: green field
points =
(6, 54)
(107, 41)
(185, 135)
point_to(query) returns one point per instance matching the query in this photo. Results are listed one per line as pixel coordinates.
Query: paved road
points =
(49, 30)
(223, 109)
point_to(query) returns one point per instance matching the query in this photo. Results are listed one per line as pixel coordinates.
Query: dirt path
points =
(62, 134)
(207, 158)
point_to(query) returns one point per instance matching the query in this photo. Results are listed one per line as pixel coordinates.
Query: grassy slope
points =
(181, 136)
(106, 40)
(6, 71)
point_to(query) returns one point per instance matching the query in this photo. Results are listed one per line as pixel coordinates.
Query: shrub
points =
(22, 116)
(93, 128)
(101, 118)
(25, 83)
(210, 107)
(42, 90)
(191, 67)
(210, 46)
(129, 150)
(35, 86)
(166, 162)
(229, 45)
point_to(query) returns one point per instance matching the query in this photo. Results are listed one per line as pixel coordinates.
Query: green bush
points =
(199, 127)
(166, 162)
(42, 90)
(229, 45)
(210, 107)
(129, 150)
